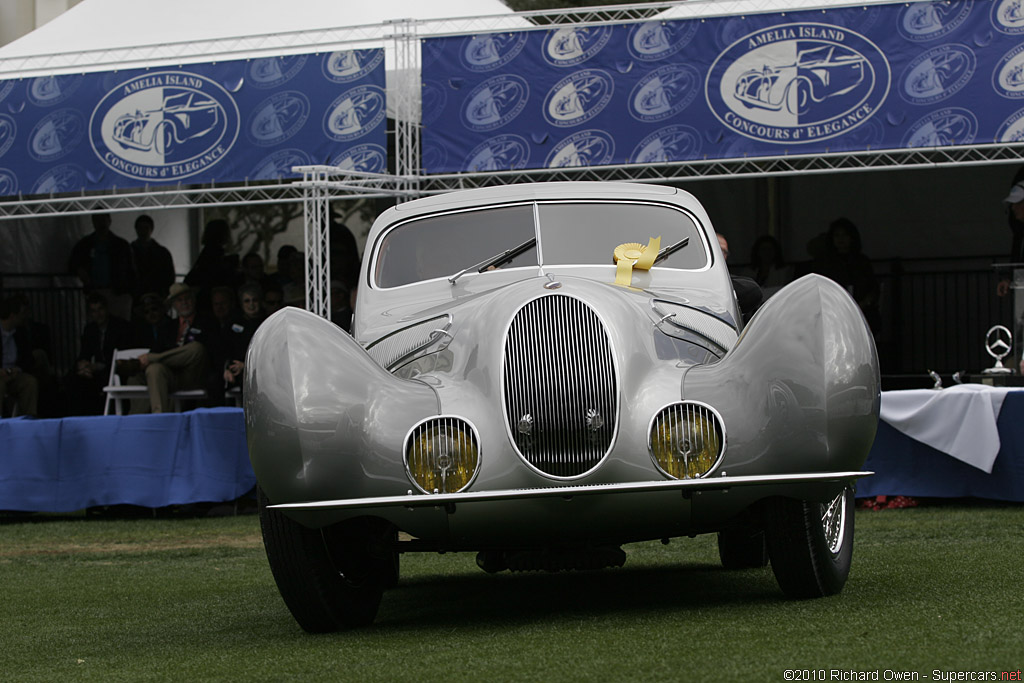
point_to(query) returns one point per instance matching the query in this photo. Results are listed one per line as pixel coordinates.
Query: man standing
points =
(178, 361)
(103, 262)
(153, 262)
(16, 379)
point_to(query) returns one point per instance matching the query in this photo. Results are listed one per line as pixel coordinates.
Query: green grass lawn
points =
(177, 599)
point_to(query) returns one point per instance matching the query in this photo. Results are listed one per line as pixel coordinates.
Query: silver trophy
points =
(998, 343)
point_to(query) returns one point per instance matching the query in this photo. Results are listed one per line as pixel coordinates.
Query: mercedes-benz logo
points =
(999, 344)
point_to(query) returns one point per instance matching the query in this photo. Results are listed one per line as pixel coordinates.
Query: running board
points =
(685, 485)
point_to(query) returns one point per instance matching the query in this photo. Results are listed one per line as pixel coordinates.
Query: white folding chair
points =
(187, 395)
(235, 394)
(117, 392)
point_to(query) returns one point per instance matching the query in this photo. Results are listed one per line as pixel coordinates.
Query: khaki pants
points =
(183, 367)
(22, 387)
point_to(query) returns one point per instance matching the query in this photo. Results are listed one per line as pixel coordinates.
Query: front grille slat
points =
(560, 386)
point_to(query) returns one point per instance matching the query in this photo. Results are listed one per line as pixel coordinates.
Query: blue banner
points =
(840, 80)
(223, 122)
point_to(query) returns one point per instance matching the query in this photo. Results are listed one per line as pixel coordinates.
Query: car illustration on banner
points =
(797, 83)
(541, 374)
(939, 73)
(818, 74)
(184, 116)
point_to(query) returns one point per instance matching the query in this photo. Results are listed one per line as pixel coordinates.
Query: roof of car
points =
(505, 193)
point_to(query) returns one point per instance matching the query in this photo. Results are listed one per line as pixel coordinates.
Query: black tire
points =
(742, 548)
(328, 577)
(810, 544)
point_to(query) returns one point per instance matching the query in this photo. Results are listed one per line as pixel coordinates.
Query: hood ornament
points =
(999, 344)
(552, 283)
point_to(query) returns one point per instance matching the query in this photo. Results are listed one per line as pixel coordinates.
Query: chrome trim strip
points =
(713, 484)
(402, 344)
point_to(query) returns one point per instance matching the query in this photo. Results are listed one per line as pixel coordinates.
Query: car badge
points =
(999, 344)
(525, 426)
(552, 283)
(594, 420)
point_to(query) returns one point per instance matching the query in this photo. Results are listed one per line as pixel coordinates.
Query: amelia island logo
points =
(278, 118)
(653, 40)
(8, 131)
(270, 72)
(1008, 16)
(570, 46)
(579, 97)
(585, 148)
(346, 66)
(672, 143)
(664, 92)
(938, 74)
(501, 153)
(495, 102)
(367, 158)
(279, 165)
(8, 182)
(164, 126)
(47, 91)
(492, 50)
(922, 21)
(56, 135)
(355, 113)
(950, 126)
(1008, 76)
(797, 83)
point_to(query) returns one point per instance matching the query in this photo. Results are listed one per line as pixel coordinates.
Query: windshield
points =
(571, 233)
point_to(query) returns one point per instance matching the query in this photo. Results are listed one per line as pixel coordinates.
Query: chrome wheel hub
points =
(833, 521)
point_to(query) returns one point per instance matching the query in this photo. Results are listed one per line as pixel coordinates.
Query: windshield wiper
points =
(671, 249)
(497, 260)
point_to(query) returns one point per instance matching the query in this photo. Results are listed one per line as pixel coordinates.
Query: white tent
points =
(98, 35)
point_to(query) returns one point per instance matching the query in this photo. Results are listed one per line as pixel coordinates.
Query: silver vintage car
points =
(542, 373)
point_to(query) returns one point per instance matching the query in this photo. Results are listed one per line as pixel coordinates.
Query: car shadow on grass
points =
(491, 600)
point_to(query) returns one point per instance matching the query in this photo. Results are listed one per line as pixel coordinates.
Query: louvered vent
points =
(561, 389)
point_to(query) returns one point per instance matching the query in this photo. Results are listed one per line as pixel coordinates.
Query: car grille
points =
(561, 390)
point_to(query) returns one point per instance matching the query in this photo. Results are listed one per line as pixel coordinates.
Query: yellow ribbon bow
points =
(634, 255)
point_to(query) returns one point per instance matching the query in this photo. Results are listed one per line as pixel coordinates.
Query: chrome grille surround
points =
(447, 426)
(702, 410)
(560, 388)
(403, 344)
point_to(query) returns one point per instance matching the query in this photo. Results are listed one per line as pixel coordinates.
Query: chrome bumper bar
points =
(685, 485)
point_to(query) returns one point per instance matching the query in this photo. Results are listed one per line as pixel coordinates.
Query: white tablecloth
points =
(959, 421)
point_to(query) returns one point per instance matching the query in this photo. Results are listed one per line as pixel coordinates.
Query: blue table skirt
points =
(151, 460)
(907, 467)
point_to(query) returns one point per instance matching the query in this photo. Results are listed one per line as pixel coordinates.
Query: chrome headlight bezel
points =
(705, 411)
(444, 422)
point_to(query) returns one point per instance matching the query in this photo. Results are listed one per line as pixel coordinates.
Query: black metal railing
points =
(56, 304)
(936, 313)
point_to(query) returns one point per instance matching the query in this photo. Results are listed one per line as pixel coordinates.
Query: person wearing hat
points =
(178, 359)
(1014, 202)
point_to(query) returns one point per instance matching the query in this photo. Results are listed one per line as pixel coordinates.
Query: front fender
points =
(799, 392)
(322, 419)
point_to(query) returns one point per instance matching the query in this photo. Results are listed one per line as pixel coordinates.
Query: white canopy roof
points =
(106, 34)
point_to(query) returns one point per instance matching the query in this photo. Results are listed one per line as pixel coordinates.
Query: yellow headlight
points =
(442, 455)
(686, 440)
